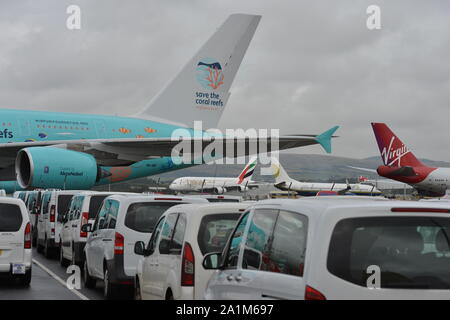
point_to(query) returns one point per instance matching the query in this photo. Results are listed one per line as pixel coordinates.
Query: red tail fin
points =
(393, 150)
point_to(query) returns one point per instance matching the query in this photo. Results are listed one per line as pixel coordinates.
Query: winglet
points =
(324, 139)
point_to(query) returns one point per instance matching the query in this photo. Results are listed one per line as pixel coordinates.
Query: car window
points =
(142, 216)
(235, 243)
(155, 236)
(178, 236)
(287, 252)
(214, 231)
(10, 217)
(45, 202)
(78, 207)
(63, 203)
(112, 214)
(167, 232)
(101, 222)
(94, 205)
(411, 252)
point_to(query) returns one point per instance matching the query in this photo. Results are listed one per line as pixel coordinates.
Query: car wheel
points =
(47, 250)
(137, 290)
(89, 282)
(62, 260)
(25, 280)
(109, 288)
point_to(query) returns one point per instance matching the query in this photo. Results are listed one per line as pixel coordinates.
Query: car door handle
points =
(106, 239)
(268, 296)
(74, 226)
(66, 227)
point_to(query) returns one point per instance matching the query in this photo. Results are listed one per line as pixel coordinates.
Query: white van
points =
(54, 204)
(170, 267)
(335, 248)
(15, 240)
(120, 223)
(83, 209)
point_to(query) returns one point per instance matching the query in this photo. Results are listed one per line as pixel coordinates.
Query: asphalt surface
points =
(48, 283)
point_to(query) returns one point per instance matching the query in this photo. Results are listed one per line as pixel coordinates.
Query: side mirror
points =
(86, 227)
(139, 248)
(211, 261)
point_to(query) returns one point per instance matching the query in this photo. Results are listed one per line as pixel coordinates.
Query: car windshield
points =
(10, 217)
(410, 252)
(143, 216)
(215, 230)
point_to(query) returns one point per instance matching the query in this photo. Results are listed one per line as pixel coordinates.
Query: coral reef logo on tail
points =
(209, 74)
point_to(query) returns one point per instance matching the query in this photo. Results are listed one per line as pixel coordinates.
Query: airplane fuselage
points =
(30, 126)
(311, 189)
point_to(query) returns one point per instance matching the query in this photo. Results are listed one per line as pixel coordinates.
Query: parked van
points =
(170, 267)
(335, 248)
(15, 240)
(54, 204)
(83, 209)
(120, 223)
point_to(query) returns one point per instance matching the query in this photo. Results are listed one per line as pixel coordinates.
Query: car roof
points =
(209, 208)
(157, 197)
(91, 193)
(10, 200)
(326, 204)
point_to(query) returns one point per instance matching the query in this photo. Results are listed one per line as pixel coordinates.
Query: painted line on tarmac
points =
(61, 281)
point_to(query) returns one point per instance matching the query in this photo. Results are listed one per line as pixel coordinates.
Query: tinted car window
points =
(63, 203)
(288, 248)
(112, 214)
(259, 240)
(411, 252)
(143, 216)
(153, 240)
(235, 243)
(10, 217)
(45, 202)
(94, 205)
(214, 231)
(167, 232)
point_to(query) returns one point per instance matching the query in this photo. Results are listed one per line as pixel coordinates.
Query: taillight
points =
(313, 294)
(84, 220)
(52, 213)
(119, 243)
(187, 266)
(27, 237)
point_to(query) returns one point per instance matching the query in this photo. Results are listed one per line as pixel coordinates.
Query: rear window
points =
(94, 205)
(411, 252)
(143, 216)
(215, 230)
(10, 217)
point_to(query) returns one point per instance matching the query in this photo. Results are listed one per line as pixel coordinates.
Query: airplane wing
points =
(127, 151)
(363, 169)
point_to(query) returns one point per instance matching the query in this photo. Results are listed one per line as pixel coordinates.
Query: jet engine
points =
(45, 167)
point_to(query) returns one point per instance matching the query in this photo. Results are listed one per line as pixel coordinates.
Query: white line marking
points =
(61, 281)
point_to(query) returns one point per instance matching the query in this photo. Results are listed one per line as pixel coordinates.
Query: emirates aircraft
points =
(400, 164)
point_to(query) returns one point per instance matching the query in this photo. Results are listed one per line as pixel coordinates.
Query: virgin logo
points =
(391, 156)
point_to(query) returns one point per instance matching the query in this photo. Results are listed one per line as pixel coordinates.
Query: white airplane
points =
(218, 185)
(284, 182)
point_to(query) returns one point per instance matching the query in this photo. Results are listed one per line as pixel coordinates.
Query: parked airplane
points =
(218, 185)
(386, 186)
(77, 151)
(284, 182)
(400, 164)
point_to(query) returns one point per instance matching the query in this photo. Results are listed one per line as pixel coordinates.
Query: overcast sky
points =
(311, 64)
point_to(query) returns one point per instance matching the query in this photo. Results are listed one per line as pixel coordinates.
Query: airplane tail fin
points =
(393, 151)
(201, 90)
(247, 173)
(278, 172)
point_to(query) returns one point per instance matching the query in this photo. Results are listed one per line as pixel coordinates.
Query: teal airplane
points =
(78, 151)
